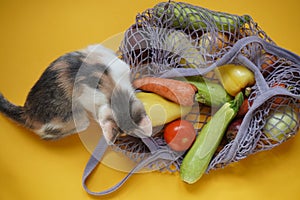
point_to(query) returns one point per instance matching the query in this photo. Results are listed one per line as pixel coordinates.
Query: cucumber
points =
(197, 159)
(184, 15)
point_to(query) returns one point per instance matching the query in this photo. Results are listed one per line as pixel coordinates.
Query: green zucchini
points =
(184, 15)
(197, 159)
(209, 93)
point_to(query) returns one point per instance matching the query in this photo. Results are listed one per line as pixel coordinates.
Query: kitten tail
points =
(12, 111)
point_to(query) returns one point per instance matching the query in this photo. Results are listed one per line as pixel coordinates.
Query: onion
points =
(281, 123)
(213, 42)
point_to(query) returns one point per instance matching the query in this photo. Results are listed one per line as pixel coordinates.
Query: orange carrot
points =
(174, 90)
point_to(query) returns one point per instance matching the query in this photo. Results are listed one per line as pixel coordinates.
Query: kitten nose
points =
(146, 126)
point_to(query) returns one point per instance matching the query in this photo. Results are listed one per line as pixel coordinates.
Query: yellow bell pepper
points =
(234, 78)
(160, 110)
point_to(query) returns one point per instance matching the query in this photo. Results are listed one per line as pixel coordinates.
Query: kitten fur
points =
(89, 81)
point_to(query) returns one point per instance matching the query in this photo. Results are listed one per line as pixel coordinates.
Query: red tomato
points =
(179, 135)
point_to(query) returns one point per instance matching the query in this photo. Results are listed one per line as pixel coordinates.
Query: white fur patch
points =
(41, 131)
(120, 73)
(91, 99)
(119, 70)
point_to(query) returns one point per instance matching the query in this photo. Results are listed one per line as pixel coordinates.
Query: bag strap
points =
(156, 153)
(231, 55)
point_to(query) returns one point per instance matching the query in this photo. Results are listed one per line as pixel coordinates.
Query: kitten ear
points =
(109, 131)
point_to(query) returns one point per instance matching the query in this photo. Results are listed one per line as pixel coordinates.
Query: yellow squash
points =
(160, 110)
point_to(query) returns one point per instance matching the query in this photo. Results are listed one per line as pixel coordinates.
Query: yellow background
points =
(34, 32)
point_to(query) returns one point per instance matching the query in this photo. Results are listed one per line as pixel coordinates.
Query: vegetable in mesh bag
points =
(160, 110)
(234, 78)
(180, 43)
(177, 91)
(280, 123)
(200, 36)
(184, 15)
(196, 161)
(209, 93)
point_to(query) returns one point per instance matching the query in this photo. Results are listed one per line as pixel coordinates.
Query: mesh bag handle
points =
(98, 153)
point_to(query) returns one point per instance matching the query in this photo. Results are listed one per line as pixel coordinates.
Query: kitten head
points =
(124, 115)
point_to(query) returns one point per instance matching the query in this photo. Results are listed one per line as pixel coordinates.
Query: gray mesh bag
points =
(171, 32)
(176, 39)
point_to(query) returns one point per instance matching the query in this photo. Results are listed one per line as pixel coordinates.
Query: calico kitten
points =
(89, 81)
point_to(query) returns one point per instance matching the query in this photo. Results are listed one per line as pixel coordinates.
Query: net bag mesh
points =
(178, 39)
